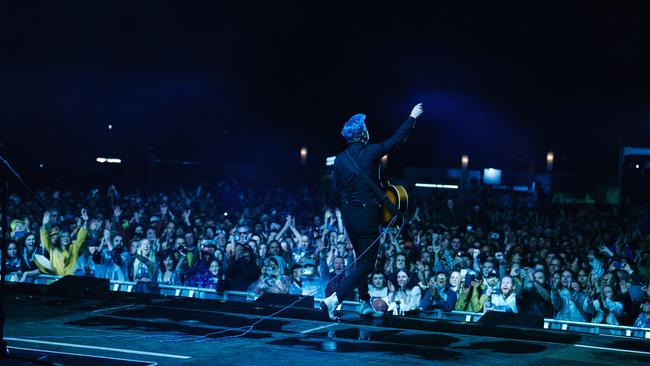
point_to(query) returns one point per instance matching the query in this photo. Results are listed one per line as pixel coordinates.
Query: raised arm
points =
(402, 132)
(46, 242)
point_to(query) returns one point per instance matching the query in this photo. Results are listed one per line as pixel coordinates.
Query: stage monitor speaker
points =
(512, 319)
(80, 285)
(285, 300)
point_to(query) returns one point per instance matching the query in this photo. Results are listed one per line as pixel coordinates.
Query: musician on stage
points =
(360, 206)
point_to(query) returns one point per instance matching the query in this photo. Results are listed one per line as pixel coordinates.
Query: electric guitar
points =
(398, 196)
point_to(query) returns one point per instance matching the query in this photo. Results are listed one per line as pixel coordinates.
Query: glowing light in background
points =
(435, 185)
(303, 155)
(109, 160)
(464, 161)
(550, 157)
(330, 160)
(491, 176)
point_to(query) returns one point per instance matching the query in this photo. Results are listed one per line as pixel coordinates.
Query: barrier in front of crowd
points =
(458, 316)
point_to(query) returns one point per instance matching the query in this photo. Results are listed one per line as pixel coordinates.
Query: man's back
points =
(354, 190)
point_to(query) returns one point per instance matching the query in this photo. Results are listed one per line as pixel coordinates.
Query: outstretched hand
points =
(417, 110)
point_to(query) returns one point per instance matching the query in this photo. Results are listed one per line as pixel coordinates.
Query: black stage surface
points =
(129, 329)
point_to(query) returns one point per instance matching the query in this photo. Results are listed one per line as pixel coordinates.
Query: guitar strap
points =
(373, 187)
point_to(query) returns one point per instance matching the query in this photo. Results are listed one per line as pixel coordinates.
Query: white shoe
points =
(329, 305)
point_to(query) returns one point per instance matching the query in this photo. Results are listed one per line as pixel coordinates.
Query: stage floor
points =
(170, 331)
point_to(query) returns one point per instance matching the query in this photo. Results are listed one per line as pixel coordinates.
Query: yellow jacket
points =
(63, 261)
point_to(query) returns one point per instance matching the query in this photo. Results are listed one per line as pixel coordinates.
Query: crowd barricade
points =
(456, 316)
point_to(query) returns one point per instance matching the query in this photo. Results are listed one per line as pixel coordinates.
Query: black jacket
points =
(355, 191)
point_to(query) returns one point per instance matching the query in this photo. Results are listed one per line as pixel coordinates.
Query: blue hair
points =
(354, 127)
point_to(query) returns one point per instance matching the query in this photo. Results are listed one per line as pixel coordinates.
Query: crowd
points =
(583, 263)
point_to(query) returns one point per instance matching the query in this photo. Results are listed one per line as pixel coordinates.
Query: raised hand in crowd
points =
(186, 216)
(117, 212)
(46, 218)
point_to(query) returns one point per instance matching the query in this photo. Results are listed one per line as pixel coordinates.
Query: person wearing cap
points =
(492, 282)
(360, 207)
(505, 300)
(18, 230)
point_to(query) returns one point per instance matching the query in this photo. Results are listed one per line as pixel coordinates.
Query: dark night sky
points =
(251, 84)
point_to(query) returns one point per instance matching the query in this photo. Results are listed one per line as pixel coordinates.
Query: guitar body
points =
(397, 196)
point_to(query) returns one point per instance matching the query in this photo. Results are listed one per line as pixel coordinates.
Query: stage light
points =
(464, 161)
(303, 155)
(109, 160)
(41, 166)
(637, 166)
(110, 127)
(330, 160)
(435, 185)
(491, 176)
(550, 157)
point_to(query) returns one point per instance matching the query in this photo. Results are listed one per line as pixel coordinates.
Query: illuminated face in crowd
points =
(30, 242)
(441, 279)
(608, 292)
(506, 286)
(492, 281)
(221, 240)
(583, 279)
(139, 230)
(487, 267)
(540, 277)
(274, 248)
(402, 278)
(64, 239)
(605, 279)
(214, 267)
(378, 280)
(180, 242)
(12, 250)
(454, 278)
(555, 265)
(566, 279)
(273, 268)
(169, 263)
(425, 257)
(262, 250)
(339, 265)
(455, 244)
(400, 261)
(189, 240)
(145, 247)
(304, 241)
(151, 234)
(253, 244)
(117, 241)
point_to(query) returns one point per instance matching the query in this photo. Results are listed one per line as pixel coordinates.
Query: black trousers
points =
(363, 227)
